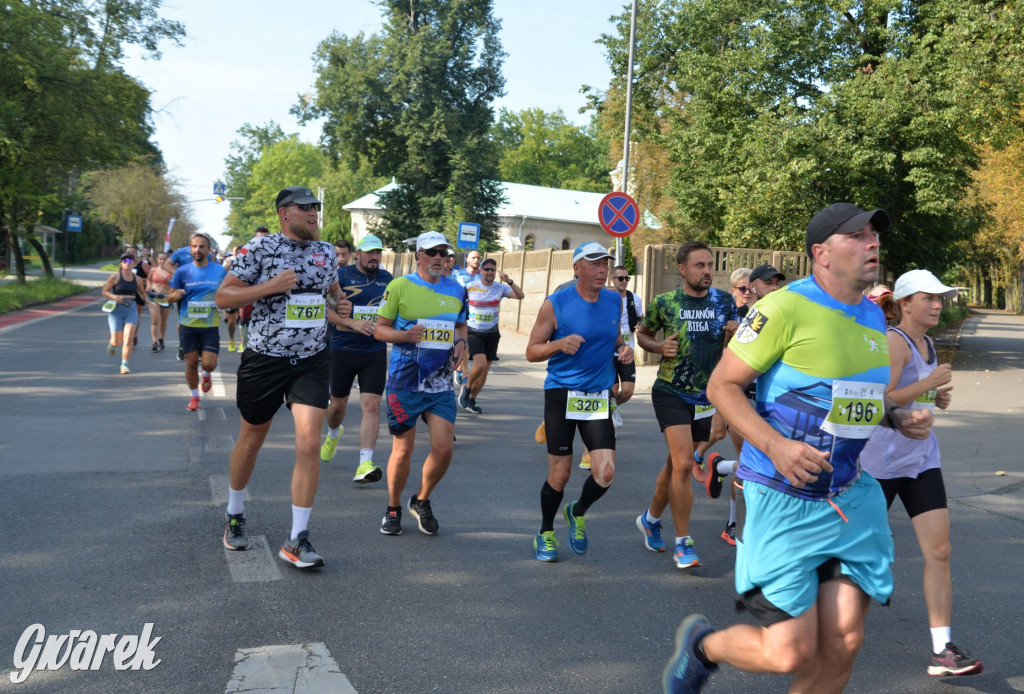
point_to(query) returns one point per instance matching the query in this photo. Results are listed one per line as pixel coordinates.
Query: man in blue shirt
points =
(355, 352)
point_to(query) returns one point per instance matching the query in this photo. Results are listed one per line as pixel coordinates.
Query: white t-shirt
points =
(627, 334)
(484, 302)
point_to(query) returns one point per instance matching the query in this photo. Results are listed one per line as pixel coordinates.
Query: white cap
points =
(920, 281)
(591, 250)
(431, 239)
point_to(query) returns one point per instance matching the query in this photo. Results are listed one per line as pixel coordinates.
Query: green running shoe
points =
(327, 450)
(577, 530)
(367, 472)
(545, 544)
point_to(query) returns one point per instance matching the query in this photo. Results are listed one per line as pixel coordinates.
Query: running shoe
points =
(124, 368)
(207, 384)
(235, 536)
(329, 446)
(685, 673)
(616, 418)
(111, 349)
(155, 347)
(181, 355)
(464, 398)
(367, 472)
(577, 530)
(391, 524)
(458, 377)
(193, 403)
(953, 661)
(585, 462)
(545, 544)
(712, 482)
(541, 435)
(231, 345)
(161, 345)
(729, 534)
(420, 510)
(700, 470)
(474, 408)
(300, 553)
(652, 533)
(686, 557)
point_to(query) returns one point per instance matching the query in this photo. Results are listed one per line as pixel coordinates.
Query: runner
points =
(911, 469)
(355, 352)
(159, 309)
(121, 289)
(291, 280)
(193, 287)
(815, 545)
(231, 314)
(471, 272)
(344, 250)
(424, 315)
(632, 316)
(695, 320)
(575, 331)
(245, 312)
(484, 296)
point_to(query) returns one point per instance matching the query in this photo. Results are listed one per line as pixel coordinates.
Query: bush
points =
(15, 296)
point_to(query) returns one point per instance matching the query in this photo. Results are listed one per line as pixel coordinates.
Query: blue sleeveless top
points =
(591, 368)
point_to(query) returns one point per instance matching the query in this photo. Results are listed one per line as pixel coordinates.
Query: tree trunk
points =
(19, 260)
(43, 258)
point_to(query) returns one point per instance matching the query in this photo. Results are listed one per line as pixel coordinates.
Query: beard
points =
(303, 231)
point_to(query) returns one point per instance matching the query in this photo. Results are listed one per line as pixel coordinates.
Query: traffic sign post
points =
(618, 214)
(220, 190)
(469, 236)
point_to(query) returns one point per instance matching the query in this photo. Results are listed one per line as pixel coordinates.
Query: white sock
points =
(334, 432)
(679, 540)
(300, 519)
(649, 518)
(365, 455)
(204, 373)
(726, 467)
(940, 637)
(236, 501)
(732, 510)
(194, 392)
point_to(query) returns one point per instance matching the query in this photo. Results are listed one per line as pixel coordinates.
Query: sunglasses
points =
(488, 269)
(434, 252)
(742, 290)
(128, 260)
(621, 278)
(307, 206)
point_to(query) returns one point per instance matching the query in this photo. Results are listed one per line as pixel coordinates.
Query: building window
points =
(529, 243)
(565, 244)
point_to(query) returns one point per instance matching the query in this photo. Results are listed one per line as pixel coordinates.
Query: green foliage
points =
(774, 110)
(545, 149)
(245, 152)
(15, 296)
(414, 102)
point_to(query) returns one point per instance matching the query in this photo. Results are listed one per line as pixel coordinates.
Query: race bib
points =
(586, 406)
(482, 316)
(925, 401)
(703, 411)
(857, 408)
(365, 313)
(305, 311)
(627, 339)
(109, 306)
(437, 334)
(200, 309)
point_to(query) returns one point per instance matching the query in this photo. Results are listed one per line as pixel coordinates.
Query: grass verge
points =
(16, 296)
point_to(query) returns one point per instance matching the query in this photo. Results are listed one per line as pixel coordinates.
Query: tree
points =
(66, 105)
(245, 153)
(994, 258)
(775, 110)
(140, 202)
(415, 102)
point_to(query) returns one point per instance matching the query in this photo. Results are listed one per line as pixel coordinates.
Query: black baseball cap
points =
(843, 218)
(295, 195)
(765, 272)
(490, 261)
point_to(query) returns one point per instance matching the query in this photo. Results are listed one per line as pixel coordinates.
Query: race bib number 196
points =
(857, 408)
(581, 405)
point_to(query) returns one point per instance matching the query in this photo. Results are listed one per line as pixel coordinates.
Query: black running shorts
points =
(485, 343)
(671, 410)
(926, 492)
(265, 383)
(370, 367)
(597, 434)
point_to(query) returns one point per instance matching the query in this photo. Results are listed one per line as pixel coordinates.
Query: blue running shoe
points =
(685, 673)
(545, 544)
(652, 533)
(686, 557)
(577, 530)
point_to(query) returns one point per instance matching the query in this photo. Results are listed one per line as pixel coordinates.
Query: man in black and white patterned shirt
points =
(291, 280)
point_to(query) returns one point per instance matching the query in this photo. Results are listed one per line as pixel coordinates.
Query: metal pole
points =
(619, 249)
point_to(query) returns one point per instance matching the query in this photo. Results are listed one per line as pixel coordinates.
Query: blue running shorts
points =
(405, 407)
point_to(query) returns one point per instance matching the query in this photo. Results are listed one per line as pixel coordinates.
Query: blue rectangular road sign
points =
(469, 235)
(220, 189)
(74, 222)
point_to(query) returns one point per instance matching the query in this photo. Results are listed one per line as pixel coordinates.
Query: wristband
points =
(458, 341)
(888, 416)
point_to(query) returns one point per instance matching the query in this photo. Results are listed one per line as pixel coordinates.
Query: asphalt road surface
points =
(112, 513)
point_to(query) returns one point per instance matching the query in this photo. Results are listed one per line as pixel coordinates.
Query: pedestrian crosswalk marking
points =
(299, 669)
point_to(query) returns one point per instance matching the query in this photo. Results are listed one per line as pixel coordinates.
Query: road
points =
(111, 519)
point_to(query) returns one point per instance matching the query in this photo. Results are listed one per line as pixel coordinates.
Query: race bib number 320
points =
(857, 408)
(586, 406)
(305, 311)
(437, 334)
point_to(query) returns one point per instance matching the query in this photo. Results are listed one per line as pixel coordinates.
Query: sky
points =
(247, 62)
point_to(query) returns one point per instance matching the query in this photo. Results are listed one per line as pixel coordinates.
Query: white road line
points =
(303, 669)
(254, 565)
(219, 490)
(218, 385)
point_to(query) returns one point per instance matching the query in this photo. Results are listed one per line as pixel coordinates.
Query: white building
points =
(532, 217)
